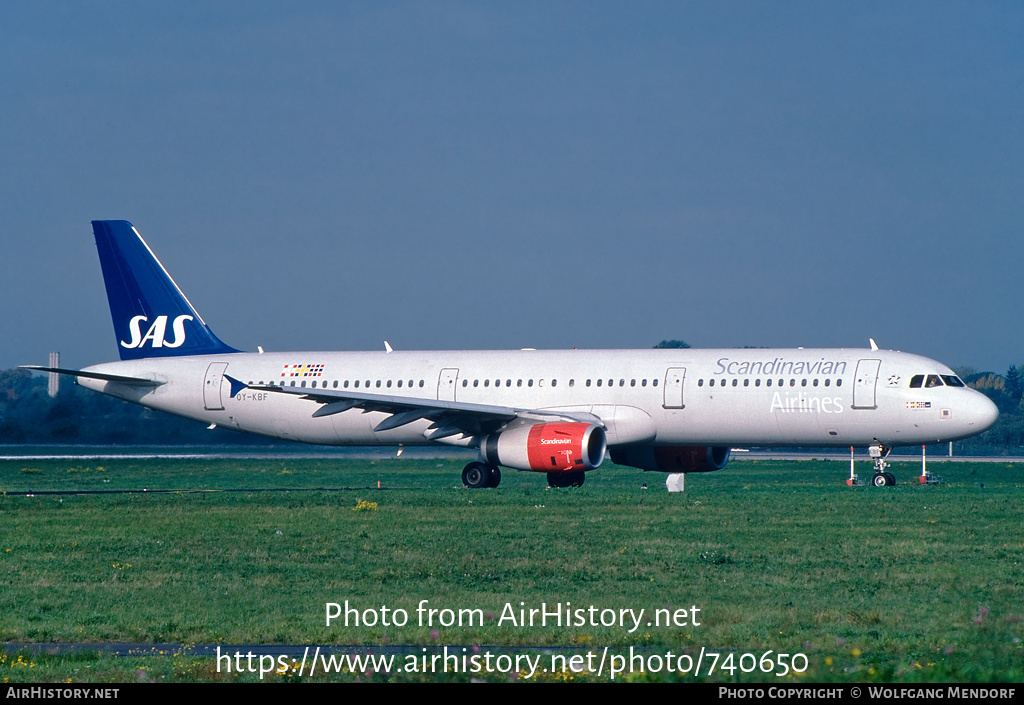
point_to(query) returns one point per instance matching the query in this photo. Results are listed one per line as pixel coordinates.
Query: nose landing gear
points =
(883, 479)
(878, 454)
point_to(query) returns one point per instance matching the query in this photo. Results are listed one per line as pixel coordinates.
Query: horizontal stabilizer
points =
(122, 379)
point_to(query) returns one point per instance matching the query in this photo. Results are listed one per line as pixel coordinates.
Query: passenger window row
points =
(387, 384)
(769, 382)
(508, 383)
(355, 384)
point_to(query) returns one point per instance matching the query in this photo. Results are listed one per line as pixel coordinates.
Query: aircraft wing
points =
(133, 381)
(449, 417)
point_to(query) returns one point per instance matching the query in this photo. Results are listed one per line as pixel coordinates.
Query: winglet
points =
(873, 345)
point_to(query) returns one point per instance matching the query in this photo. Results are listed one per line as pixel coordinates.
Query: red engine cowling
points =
(547, 447)
(672, 458)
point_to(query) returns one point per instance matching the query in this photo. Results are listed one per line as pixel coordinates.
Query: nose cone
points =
(983, 413)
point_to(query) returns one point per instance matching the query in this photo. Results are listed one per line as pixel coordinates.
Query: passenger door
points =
(864, 384)
(212, 384)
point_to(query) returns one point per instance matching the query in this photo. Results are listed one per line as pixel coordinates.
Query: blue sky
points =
(512, 174)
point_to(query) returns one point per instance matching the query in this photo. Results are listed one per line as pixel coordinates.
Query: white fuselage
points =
(725, 397)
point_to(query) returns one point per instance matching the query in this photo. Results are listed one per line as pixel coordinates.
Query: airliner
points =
(558, 412)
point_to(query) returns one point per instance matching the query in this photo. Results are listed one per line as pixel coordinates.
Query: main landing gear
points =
(566, 479)
(878, 454)
(479, 475)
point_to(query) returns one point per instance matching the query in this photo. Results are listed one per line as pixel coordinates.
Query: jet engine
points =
(672, 459)
(547, 447)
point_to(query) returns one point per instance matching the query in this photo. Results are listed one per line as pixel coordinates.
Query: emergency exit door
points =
(674, 379)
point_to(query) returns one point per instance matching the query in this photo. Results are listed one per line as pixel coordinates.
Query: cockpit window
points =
(929, 381)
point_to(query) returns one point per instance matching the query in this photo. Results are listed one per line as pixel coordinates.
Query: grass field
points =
(912, 583)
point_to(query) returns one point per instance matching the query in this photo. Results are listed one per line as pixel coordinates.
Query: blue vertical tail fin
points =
(152, 318)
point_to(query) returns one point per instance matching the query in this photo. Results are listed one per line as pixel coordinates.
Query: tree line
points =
(78, 415)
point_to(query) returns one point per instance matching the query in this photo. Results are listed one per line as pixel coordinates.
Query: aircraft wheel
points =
(890, 479)
(880, 480)
(476, 475)
(495, 478)
(566, 479)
